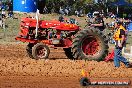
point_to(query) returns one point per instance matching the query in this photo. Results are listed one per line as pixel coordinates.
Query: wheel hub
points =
(90, 46)
(41, 52)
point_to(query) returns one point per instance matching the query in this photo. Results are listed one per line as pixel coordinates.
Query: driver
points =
(98, 21)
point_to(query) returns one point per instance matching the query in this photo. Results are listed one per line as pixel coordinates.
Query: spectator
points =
(77, 13)
(90, 15)
(10, 14)
(129, 16)
(66, 11)
(3, 7)
(1, 22)
(61, 18)
(113, 16)
(61, 11)
(3, 13)
(45, 10)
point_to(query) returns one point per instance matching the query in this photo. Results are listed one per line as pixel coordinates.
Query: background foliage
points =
(86, 5)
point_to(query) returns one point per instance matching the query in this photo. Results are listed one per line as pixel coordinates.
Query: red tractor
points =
(88, 44)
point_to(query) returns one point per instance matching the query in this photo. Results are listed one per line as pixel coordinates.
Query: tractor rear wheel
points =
(29, 49)
(90, 44)
(40, 51)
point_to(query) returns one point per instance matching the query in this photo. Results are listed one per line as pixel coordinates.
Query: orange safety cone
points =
(83, 73)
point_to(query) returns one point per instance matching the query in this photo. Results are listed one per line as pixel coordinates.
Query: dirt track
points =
(19, 71)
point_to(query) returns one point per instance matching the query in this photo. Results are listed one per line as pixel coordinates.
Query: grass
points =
(8, 35)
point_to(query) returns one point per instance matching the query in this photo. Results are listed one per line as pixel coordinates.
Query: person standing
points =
(120, 40)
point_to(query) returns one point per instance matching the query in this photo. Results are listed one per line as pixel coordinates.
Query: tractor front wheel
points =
(40, 51)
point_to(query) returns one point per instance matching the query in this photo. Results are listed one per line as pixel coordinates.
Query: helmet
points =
(96, 13)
